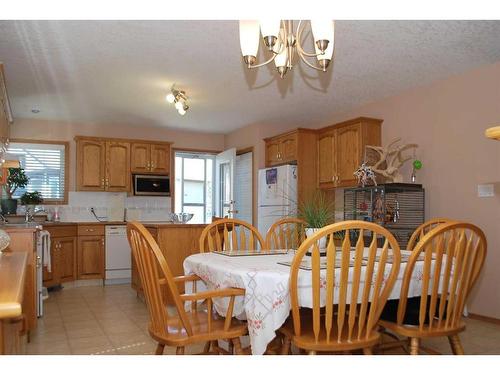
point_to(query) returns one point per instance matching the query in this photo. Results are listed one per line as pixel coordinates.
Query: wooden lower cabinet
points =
(176, 242)
(63, 262)
(12, 337)
(91, 257)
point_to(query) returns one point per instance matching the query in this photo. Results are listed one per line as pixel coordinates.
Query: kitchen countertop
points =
(12, 273)
(163, 225)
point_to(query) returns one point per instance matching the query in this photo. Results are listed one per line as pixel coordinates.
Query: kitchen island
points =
(12, 281)
(177, 242)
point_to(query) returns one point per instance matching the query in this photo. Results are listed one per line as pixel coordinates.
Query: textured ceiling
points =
(120, 71)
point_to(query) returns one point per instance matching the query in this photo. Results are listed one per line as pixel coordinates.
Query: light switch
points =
(485, 190)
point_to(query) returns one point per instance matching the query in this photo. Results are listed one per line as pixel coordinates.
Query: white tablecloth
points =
(266, 303)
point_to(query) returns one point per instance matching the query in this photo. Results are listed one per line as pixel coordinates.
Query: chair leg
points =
(414, 344)
(179, 350)
(230, 347)
(159, 349)
(237, 346)
(285, 349)
(367, 351)
(456, 345)
(206, 349)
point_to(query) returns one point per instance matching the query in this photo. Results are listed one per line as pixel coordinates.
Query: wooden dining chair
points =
(187, 327)
(286, 233)
(423, 229)
(231, 235)
(349, 295)
(453, 255)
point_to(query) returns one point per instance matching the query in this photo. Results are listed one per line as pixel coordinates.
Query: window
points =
(194, 193)
(45, 166)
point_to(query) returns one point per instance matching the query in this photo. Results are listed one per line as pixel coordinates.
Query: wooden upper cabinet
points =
(341, 150)
(117, 166)
(282, 149)
(272, 153)
(326, 159)
(5, 115)
(288, 148)
(91, 165)
(160, 158)
(150, 158)
(348, 154)
(141, 157)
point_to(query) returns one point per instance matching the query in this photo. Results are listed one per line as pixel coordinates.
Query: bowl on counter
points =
(181, 218)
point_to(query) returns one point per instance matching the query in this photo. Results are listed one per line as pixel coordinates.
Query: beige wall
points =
(447, 120)
(66, 131)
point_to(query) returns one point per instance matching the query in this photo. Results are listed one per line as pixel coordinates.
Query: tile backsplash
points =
(112, 206)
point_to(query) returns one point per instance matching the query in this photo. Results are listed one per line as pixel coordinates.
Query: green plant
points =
(317, 210)
(31, 198)
(17, 179)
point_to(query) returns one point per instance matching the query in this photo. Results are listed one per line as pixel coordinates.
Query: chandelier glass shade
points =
(283, 42)
(179, 99)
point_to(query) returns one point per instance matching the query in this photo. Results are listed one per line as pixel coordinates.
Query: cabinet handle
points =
(102, 182)
(89, 230)
(333, 178)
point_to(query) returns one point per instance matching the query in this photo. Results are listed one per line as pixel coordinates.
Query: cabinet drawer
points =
(91, 230)
(61, 230)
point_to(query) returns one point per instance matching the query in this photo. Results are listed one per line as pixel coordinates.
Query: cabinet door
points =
(272, 153)
(51, 278)
(326, 159)
(117, 166)
(90, 257)
(91, 156)
(141, 158)
(66, 260)
(160, 159)
(348, 154)
(288, 148)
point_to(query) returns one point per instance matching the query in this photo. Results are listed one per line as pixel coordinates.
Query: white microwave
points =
(148, 184)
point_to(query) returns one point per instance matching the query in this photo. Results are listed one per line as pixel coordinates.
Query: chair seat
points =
(176, 335)
(307, 341)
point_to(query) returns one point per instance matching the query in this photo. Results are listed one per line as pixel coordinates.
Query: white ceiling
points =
(120, 71)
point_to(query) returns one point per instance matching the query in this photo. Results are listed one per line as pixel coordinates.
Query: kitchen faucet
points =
(29, 216)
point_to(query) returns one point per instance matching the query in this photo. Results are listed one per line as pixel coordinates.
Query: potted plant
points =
(16, 179)
(31, 199)
(317, 211)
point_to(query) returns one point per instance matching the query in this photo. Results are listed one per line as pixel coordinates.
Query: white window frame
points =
(64, 199)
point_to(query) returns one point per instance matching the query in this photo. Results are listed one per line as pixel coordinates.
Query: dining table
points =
(265, 278)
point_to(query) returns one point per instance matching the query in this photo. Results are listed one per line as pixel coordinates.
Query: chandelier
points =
(179, 99)
(283, 43)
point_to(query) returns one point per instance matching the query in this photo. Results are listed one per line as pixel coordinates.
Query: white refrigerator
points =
(277, 195)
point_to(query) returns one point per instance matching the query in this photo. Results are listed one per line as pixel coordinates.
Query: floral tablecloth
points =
(266, 304)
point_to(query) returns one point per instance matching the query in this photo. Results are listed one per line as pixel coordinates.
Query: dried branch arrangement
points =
(391, 159)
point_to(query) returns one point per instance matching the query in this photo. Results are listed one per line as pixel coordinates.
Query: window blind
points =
(44, 164)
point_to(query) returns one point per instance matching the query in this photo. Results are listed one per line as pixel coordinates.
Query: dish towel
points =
(45, 240)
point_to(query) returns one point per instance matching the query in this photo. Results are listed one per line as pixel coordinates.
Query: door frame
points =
(246, 150)
(172, 168)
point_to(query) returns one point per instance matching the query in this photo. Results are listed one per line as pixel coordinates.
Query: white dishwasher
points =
(118, 255)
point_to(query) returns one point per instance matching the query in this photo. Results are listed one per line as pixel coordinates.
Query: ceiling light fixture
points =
(282, 42)
(179, 99)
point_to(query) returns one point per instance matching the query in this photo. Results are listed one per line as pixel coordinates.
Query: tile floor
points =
(112, 320)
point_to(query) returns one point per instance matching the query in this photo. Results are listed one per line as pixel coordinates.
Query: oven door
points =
(157, 185)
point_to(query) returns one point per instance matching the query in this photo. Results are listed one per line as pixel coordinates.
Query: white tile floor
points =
(112, 320)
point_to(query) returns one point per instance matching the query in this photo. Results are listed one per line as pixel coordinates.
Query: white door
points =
(224, 183)
(243, 187)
